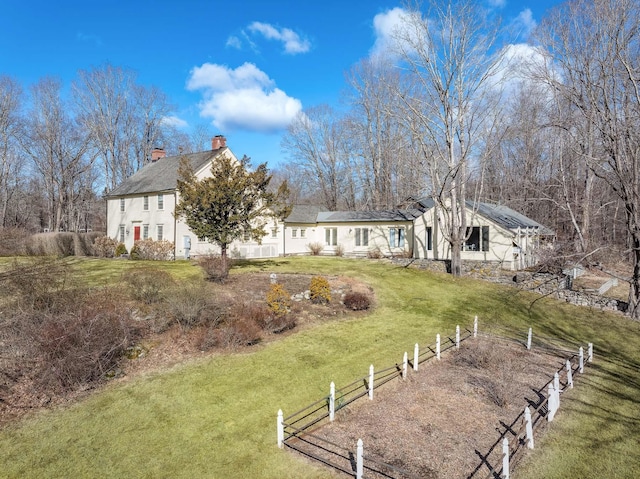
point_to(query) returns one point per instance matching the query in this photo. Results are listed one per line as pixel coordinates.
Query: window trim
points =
(145, 203)
(160, 201)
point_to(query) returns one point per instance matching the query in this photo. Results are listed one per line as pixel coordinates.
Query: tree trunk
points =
(634, 283)
(224, 260)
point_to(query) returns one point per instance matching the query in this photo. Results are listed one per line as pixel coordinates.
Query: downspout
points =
(175, 226)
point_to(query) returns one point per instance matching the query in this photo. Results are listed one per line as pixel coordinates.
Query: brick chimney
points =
(218, 141)
(157, 153)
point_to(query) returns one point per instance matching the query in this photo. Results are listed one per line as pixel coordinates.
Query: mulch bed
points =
(442, 419)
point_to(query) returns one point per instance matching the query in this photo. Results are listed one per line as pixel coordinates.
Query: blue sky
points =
(245, 67)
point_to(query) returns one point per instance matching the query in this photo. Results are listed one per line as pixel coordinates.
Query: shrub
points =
(120, 250)
(320, 292)
(357, 301)
(339, 250)
(105, 247)
(147, 284)
(375, 253)
(278, 299)
(51, 244)
(213, 268)
(236, 332)
(13, 241)
(149, 249)
(315, 248)
(81, 345)
(188, 303)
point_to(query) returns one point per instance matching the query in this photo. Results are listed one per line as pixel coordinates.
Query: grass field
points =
(215, 417)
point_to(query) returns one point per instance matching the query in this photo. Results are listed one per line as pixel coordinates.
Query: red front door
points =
(136, 233)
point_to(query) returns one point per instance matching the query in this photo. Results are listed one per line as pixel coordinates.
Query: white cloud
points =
(174, 121)
(385, 26)
(497, 3)
(293, 43)
(234, 42)
(89, 38)
(244, 98)
(524, 23)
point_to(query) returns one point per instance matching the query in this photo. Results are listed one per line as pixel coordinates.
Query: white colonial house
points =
(142, 207)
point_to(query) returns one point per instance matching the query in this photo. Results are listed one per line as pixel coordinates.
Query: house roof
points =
(499, 214)
(508, 218)
(316, 214)
(161, 175)
(304, 214)
(366, 216)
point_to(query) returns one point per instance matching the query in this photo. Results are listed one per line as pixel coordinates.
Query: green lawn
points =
(215, 417)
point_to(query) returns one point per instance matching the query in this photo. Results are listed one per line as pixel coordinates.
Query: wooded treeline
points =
(60, 151)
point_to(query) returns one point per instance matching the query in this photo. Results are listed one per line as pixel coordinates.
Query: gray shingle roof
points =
(304, 214)
(500, 214)
(508, 218)
(365, 216)
(161, 175)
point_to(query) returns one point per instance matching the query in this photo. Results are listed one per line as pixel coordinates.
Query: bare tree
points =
(123, 118)
(387, 171)
(10, 159)
(59, 150)
(449, 55)
(314, 141)
(596, 46)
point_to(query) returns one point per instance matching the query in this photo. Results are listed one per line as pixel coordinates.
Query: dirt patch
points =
(440, 420)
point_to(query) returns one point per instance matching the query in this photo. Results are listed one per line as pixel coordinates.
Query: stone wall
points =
(545, 284)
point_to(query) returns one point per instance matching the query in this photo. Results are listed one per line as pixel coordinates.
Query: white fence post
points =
(551, 403)
(438, 346)
(569, 374)
(457, 337)
(332, 401)
(529, 338)
(475, 327)
(505, 458)
(556, 387)
(371, 382)
(528, 427)
(416, 356)
(280, 426)
(405, 361)
(581, 354)
(359, 464)
(590, 353)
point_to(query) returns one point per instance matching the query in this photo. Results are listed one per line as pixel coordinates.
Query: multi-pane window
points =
(246, 236)
(362, 237)
(331, 236)
(274, 232)
(294, 233)
(160, 201)
(145, 232)
(160, 232)
(396, 237)
(303, 233)
(428, 240)
(121, 233)
(478, 239)
(145, 203)
(121, 204)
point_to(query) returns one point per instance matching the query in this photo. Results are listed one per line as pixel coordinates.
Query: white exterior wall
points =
(378, 237)
(135, 216)
(500, 241)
